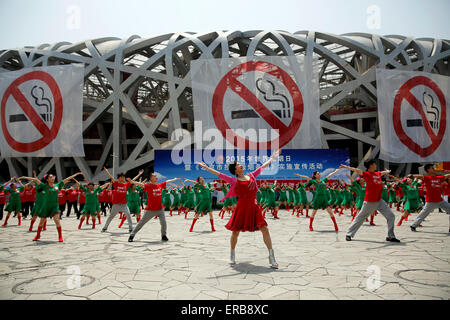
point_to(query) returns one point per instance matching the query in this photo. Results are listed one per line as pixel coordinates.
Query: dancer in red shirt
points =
(372, 201)
(102, 199)
(247, 216)
(29, 198)
(72, 198)
(154, 207)
(62, 198)
(433, 186)
(120, 199)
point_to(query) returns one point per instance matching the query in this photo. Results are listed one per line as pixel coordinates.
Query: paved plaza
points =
(313, 265)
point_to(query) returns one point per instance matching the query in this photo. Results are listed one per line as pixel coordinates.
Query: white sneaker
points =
(232, 258)
(272, 261)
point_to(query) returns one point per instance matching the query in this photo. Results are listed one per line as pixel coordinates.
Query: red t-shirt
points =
(101, 196)
(62, 196)
(72, 196)
(30, 194)
(421, 190)
(23, 197)
(108, 196)
(2, 198)
(82, 199)
(154, 196)
(433, 186)
(374, 186)
(120, 192)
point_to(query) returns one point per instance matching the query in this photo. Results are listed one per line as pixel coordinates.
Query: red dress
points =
(247, 216)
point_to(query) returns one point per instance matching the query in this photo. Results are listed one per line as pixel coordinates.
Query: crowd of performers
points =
(247, 201)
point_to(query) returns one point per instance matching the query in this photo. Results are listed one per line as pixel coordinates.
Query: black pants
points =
(214, 203)
(103, 206)
(81, 209)
(2, 207)
(26, 208)
(62, 207)
(69, 208)
(422, 198)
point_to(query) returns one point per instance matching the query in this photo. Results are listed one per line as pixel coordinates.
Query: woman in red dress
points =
(247, 216)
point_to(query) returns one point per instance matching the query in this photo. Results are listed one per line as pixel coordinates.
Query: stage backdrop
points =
(181, 163)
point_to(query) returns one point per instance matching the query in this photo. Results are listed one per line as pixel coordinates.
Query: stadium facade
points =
(138, 91)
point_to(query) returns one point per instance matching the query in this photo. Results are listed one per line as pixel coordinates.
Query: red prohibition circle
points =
(48, 135)
(229, 81)
(405, 93)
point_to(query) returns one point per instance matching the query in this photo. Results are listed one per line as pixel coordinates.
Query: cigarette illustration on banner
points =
(268, 89)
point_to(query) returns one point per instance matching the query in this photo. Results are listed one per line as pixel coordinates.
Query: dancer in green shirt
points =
(91, 205)
(14, 203)
(320, 200)
(50, 209)
(203, 205)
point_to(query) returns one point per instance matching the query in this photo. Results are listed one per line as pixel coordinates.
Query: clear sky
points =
(29, 23)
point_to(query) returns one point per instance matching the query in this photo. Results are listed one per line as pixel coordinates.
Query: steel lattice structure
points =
(137, 91)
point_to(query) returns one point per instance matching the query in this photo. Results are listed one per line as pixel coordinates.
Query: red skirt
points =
(246, 217)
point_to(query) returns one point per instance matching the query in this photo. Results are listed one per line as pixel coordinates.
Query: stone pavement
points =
(313, 265)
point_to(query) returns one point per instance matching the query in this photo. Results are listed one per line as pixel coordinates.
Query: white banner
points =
(41, 112)
(256, 103)
(413, 112)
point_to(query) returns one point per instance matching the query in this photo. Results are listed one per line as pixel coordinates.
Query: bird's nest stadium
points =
(138, 90)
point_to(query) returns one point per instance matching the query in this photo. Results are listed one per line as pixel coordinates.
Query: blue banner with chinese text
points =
(181, 163)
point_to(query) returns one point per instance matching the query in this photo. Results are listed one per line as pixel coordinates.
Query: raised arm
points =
(273, 157)
(333, 173)
(302, 176)
(190, 180)
(172, 180)
(385, 172)
(8, 181)
(136, 183)
(36, 180)
(395, 178)
(71, 177)
(20, 182)
(77, 183)
(110, 176)
(204, 166)
(139, 174)
(358, 171)
(106, 185)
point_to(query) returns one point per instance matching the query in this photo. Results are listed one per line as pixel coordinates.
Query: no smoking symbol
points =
(48, 134)
(405, 93)
(230, 81)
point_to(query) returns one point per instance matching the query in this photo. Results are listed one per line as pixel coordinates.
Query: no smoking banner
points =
(258, 103)
(41, 112)
(413, 110)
